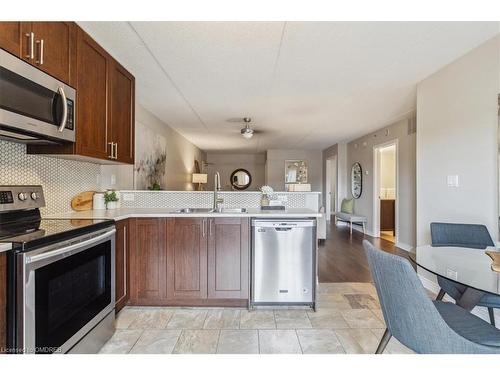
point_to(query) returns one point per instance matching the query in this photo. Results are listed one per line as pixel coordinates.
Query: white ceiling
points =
(305, 84)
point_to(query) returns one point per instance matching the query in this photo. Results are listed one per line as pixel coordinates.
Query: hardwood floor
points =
(341, 257)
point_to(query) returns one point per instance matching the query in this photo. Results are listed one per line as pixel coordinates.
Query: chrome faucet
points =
(217, 188)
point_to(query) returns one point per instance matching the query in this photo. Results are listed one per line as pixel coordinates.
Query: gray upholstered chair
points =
(423, 325)
(473, 236)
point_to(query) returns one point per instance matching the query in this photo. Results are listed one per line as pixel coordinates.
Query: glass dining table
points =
(470, 267)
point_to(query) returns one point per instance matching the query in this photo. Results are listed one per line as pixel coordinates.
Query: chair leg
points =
(491, 312)
(383, 342)
(364, 228)
(440, 295)
(350, 227)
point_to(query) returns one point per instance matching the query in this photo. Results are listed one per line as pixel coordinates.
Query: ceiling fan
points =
(246, 132)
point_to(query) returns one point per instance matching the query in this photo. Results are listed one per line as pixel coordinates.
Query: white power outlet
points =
(128, 197)
(113, 180)
(283, 198)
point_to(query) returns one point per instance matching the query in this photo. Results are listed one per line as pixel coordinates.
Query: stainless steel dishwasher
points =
(283, 262)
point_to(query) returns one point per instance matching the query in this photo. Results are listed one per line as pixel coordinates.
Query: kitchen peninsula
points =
(169, 256)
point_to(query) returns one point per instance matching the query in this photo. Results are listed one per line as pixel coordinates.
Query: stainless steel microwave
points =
(34, 106)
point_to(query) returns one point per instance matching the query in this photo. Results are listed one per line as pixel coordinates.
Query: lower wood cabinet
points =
(148, 261)
(3, 302)
(187, 258)
(122, 265)
(228, 258)
(189, 261)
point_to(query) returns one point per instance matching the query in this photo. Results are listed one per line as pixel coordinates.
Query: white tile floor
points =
(348, 320)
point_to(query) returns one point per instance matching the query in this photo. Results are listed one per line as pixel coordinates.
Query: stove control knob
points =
(34, 196)
(22, 196)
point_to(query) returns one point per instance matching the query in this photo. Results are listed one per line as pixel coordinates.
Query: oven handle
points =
(70, 248)
(61, 92)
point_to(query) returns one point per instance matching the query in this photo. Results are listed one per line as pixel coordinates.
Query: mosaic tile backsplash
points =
(204, 199)
(61, 179)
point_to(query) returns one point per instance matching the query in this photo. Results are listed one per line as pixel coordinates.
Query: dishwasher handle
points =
(286, 224)
(286, 229)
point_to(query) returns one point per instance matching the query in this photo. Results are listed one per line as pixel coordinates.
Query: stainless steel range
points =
(61, 277)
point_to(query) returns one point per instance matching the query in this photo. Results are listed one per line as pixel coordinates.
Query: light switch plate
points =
(452, 180)
(128, 197)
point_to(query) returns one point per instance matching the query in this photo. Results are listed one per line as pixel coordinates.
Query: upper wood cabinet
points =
(122, 262)
(187, 258)
(92, 98)
(54, 44)
(121, 112)
(11, 36)
(148, 261)
(105, 107)
(50, 46)
(228, 258)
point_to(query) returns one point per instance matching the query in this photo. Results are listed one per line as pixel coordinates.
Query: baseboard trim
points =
(404, 246)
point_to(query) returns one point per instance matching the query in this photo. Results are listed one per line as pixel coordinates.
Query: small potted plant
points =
(111, 199)
(267, 192)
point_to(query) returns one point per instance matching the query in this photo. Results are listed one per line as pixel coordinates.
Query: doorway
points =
(331, 187)
(385, 210)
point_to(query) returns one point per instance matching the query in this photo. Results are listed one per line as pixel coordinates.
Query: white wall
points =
(361, 150)
(457, 122)
(275, 167)
(225, 164)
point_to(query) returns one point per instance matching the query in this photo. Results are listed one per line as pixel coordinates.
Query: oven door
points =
(34, 107)
(67, 291)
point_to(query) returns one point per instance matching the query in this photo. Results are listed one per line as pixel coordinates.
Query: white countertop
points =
(5, 247)
(125, 213)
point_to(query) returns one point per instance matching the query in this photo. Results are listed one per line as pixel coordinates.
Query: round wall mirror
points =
(356, 180)
(241, 179)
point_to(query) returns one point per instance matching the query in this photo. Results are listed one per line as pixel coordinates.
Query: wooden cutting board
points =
(82, 201)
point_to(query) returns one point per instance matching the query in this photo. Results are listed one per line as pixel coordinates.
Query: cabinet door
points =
(54, 46)
(148, 261)
(122, 262)
(3, 301)
(92, 95)
(187, 258)
(11, 38)
(228, 258)
(121, 112)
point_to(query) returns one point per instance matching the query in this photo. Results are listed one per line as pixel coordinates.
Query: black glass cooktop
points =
(34, 233)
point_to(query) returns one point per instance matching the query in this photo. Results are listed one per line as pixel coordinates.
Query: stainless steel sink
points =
(193, 210)
(210, 210)
(231, 210)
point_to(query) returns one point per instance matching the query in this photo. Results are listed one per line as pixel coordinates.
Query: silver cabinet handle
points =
(210, 227)
(31, 45)
(203, 224)
(112, 148)
(64, 119)
(40, 52)
(116, 151)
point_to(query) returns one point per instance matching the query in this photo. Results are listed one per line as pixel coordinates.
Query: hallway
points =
(341, 257)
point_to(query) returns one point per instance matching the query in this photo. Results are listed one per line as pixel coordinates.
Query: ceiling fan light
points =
(247, 133)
